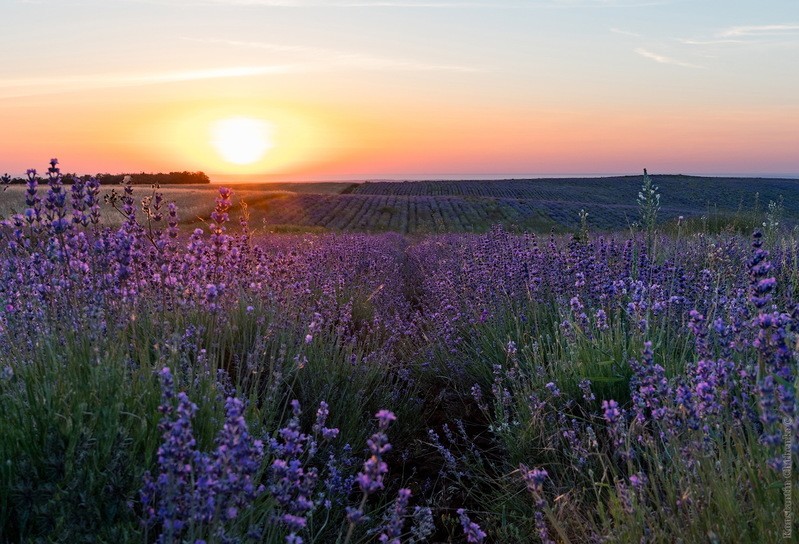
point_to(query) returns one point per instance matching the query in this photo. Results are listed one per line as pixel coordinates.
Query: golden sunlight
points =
(241, 140)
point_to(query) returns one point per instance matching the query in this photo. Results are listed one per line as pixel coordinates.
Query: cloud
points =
(139, 79)
(626, 33)
(611, 3)
(761, 30)
(47, 85)
(212, 73)
(328, 3)
(752, 35)
(688, 41)
(664, 59)
(319, 58)
(362, 4)
(496, 4)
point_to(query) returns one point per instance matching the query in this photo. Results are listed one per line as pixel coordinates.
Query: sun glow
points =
(241, 140)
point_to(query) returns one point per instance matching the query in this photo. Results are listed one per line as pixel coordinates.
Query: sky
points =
(367, 89)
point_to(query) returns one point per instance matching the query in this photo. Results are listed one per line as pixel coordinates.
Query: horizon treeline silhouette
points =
(141, 178)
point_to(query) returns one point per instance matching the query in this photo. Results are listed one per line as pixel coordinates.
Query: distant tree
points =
(142, 178)
(7, 180)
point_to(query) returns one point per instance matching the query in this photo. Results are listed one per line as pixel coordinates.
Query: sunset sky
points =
(362, 89)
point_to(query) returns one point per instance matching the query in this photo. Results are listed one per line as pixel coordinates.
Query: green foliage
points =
(80, 414)
(725, 495)
(78, 423)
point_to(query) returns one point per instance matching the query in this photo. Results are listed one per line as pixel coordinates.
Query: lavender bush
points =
(493, 387)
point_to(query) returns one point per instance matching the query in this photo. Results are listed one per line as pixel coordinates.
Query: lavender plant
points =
(648, 207)
(198, 495)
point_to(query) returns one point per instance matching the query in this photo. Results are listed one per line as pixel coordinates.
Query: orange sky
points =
(353, 90)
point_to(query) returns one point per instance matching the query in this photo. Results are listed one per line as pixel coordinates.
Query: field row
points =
(686, 192)
(409, 214)
(464, 206)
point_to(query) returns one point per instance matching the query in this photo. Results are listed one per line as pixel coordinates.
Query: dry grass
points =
(195, 202)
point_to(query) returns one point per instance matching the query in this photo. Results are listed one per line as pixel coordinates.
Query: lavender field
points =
(538, 205)
(165, 379)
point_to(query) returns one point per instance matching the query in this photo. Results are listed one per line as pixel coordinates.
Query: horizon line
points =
(346, 178)
(229, 178)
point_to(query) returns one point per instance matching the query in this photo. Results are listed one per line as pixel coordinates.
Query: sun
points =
(241, 140)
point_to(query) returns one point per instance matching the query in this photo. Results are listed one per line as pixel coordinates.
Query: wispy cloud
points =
(664, 59)
(319, 58)
(326, 3)
(496, 4)
(316, 60)
(10, 87)
(760, 30)
(690, 41)
(749, 35)
(139, 79)
(347, 3)
(612, 3)
(626, 33)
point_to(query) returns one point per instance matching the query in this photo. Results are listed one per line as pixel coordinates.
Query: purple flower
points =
(292, 485)
(650, 388)
(617, 428)
(473, 532)
(553, 389)
(511, 348)
(354, 515)
(321, 418)
(638, 481)
(601, 319)
(195, 488)
(370, 479)
(585, 387)
(295, 408)
(534, 478)
(393, 528)
(384, 417)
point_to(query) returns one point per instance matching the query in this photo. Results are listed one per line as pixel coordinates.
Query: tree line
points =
(142, 178)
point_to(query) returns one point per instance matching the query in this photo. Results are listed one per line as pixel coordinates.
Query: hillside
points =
(538, 204)
(474, 206)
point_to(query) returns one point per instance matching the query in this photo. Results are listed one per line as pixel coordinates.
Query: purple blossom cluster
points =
(739, 375)
(292, 482)
(473, 532)
(64, 264)
(196, 492)
(370, 478)
(534, 479)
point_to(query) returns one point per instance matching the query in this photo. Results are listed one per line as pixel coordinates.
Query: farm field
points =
(472, 206)
(166, 379)
(195, 201)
